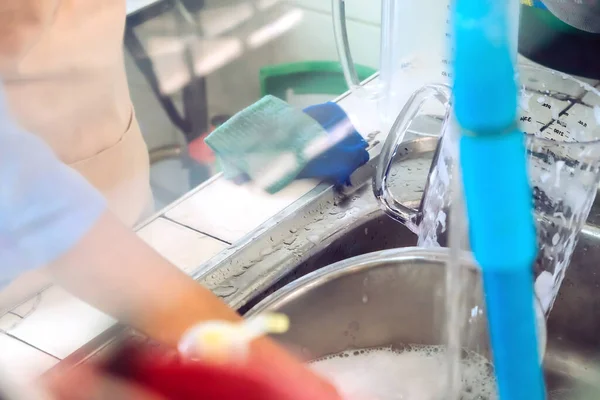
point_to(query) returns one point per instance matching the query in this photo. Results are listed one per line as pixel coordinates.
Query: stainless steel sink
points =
(573, 351)
(327, 226)
(573, 340)
(377, 232)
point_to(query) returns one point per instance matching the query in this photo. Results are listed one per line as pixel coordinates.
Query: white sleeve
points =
(45, 206)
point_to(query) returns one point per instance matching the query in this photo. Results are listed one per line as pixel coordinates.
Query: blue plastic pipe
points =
(498, 196)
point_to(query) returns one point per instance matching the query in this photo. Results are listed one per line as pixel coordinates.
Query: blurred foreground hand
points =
(88, 383)
(145, 373)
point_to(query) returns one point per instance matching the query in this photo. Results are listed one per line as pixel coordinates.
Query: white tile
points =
(313, 39)
(356, 10)
(26, 308)
(9, 321)
(23, 288)
(60, 323)
(24, 361)
(228, 211)
(184, 247)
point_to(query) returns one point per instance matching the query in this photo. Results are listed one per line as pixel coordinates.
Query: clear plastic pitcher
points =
(560, 117)
(415, 46)
(414, 43)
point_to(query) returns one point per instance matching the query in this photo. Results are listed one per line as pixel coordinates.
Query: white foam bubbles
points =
(415, 373)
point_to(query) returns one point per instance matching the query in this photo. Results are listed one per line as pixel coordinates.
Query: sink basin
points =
(390, 298)
(573, 340)
(573, 349)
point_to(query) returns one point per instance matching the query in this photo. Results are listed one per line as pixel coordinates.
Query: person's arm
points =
(49, 215)
(114, 270)
(117, 272)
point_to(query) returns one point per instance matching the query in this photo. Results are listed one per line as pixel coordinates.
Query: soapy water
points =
(415, 373)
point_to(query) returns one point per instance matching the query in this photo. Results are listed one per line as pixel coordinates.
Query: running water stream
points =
(456, 301)
(444, 222)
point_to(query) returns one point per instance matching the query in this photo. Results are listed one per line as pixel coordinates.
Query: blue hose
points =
(498, 196)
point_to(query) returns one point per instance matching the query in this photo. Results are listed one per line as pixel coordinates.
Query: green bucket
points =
(311, 80)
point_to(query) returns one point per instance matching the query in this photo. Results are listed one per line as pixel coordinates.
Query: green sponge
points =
(270, 142)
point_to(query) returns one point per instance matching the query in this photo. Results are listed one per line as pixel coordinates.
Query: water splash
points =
(456, 303)
(524, 98)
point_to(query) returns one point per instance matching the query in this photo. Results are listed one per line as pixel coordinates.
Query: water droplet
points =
(524, 100)
(239, 273)
(224, 291)
(314, 239)
(293, 230)
(365, 299)
(541, 99)
(289, 240)
(266, 251)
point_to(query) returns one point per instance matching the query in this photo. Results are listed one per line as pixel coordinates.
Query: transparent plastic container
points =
(415, 42)
(560, 118)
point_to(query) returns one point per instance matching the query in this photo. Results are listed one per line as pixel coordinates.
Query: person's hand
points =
(87, 383)
(143, 371)
(167, 303)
